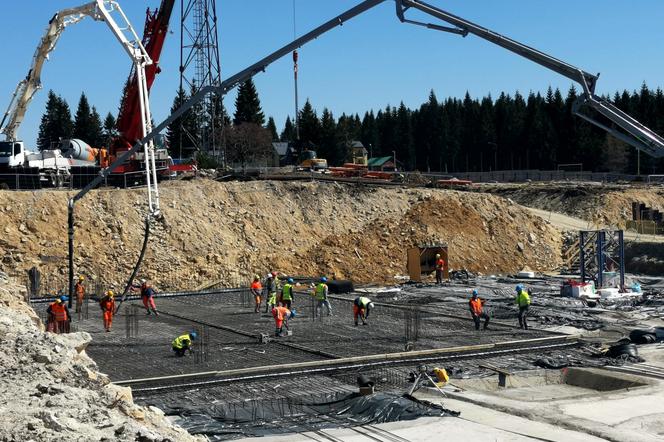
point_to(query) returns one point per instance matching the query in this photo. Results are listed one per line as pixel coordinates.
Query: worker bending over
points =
(361, 307)
(147, 296)
(477, 311)
(271, 286)
(440, 269)
(320, 293)
(281, 316)
(523, 302)
(107, 304)
(79, 289)
(256, 290)
(287, 294)
(183, 343)
(58, 316)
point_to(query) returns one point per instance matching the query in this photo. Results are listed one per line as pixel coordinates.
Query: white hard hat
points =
(143, 281)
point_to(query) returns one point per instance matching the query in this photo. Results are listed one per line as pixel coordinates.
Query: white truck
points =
(53, 168)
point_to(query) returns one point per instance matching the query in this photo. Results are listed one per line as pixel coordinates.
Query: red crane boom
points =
(129, 120)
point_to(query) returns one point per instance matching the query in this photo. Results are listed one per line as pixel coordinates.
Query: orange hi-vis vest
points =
(59, 311)
(440, 264)
(476, 305)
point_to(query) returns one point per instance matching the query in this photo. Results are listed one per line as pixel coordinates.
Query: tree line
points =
(57, 123)
(451, 135)
(511, 132)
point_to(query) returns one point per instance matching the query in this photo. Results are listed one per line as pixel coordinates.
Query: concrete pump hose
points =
(138, 264)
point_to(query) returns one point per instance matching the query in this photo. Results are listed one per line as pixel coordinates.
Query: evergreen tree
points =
(309, 124)
(330, 146)
(272, 128)
(288, 134)
(55, 123)
(96, 129)
(182, 133)
(84, 127)
(110, 129)
(247, 105)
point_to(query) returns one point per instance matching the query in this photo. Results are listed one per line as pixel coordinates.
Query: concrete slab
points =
(419, 430)
(615, 411)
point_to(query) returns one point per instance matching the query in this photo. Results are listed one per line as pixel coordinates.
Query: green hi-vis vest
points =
(181, 342)
(320, 292)
(287, 292)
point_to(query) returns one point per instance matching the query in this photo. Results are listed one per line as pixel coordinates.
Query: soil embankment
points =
(603, 205)
(229, 231)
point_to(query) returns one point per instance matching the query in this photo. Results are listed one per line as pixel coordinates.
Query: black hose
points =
(138, 264)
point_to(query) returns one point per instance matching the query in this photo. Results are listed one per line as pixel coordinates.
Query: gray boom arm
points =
(633, 132)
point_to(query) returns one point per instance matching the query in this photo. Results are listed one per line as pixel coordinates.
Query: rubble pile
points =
(53, 392)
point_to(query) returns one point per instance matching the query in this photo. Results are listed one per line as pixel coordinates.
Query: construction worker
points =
(440, 268)
(477, 311)
(361, 307)
(147, 296)
(320, 293)
(79, 289)
(523, 302)
(58, 314)
(256, 290)
(287, 293)
(271, 285)
(281, 316)
(107, 304)
(183, 343)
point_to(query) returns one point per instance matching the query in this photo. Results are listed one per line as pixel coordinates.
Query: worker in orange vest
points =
(58, 316)
(79, 289)
(256, 289)
(440, 268)
(281, 316)
(147, 296)
(477, 311)
(107, 305)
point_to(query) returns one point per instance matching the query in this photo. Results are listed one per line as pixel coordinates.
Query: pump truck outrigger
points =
(628, 129)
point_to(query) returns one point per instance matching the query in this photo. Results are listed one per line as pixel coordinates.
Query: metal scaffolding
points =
(200, 66)
(602, 253)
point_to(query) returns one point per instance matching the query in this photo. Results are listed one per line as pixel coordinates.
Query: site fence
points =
(77, 180)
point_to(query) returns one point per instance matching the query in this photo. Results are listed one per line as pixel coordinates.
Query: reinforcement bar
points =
(370, 360)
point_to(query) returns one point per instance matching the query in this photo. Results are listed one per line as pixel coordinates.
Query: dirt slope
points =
(231, 230)
(602, 205)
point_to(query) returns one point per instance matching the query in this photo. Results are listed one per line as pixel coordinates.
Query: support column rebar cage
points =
(602, 255)
(200, 66)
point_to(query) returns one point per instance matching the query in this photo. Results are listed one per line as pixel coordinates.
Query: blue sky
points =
(370, 62)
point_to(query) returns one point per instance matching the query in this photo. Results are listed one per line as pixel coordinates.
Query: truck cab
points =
(12, 154)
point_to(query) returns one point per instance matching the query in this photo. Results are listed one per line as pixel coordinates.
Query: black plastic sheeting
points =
(214, 420)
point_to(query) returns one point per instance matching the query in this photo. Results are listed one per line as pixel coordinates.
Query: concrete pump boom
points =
(99, 10)
(633, 132)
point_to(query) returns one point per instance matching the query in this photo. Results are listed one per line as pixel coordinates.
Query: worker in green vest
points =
(287, 293)
(183, 343)
(361, 308)
(523, 302)
(320, 293)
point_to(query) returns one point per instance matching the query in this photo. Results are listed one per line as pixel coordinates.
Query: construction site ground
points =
(424, 316)
(218, 235)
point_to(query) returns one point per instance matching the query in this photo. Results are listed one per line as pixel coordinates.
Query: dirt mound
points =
(51, 389)
(229, 231)
(602, 204)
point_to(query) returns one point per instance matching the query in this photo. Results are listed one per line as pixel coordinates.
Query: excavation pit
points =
(545, 385)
